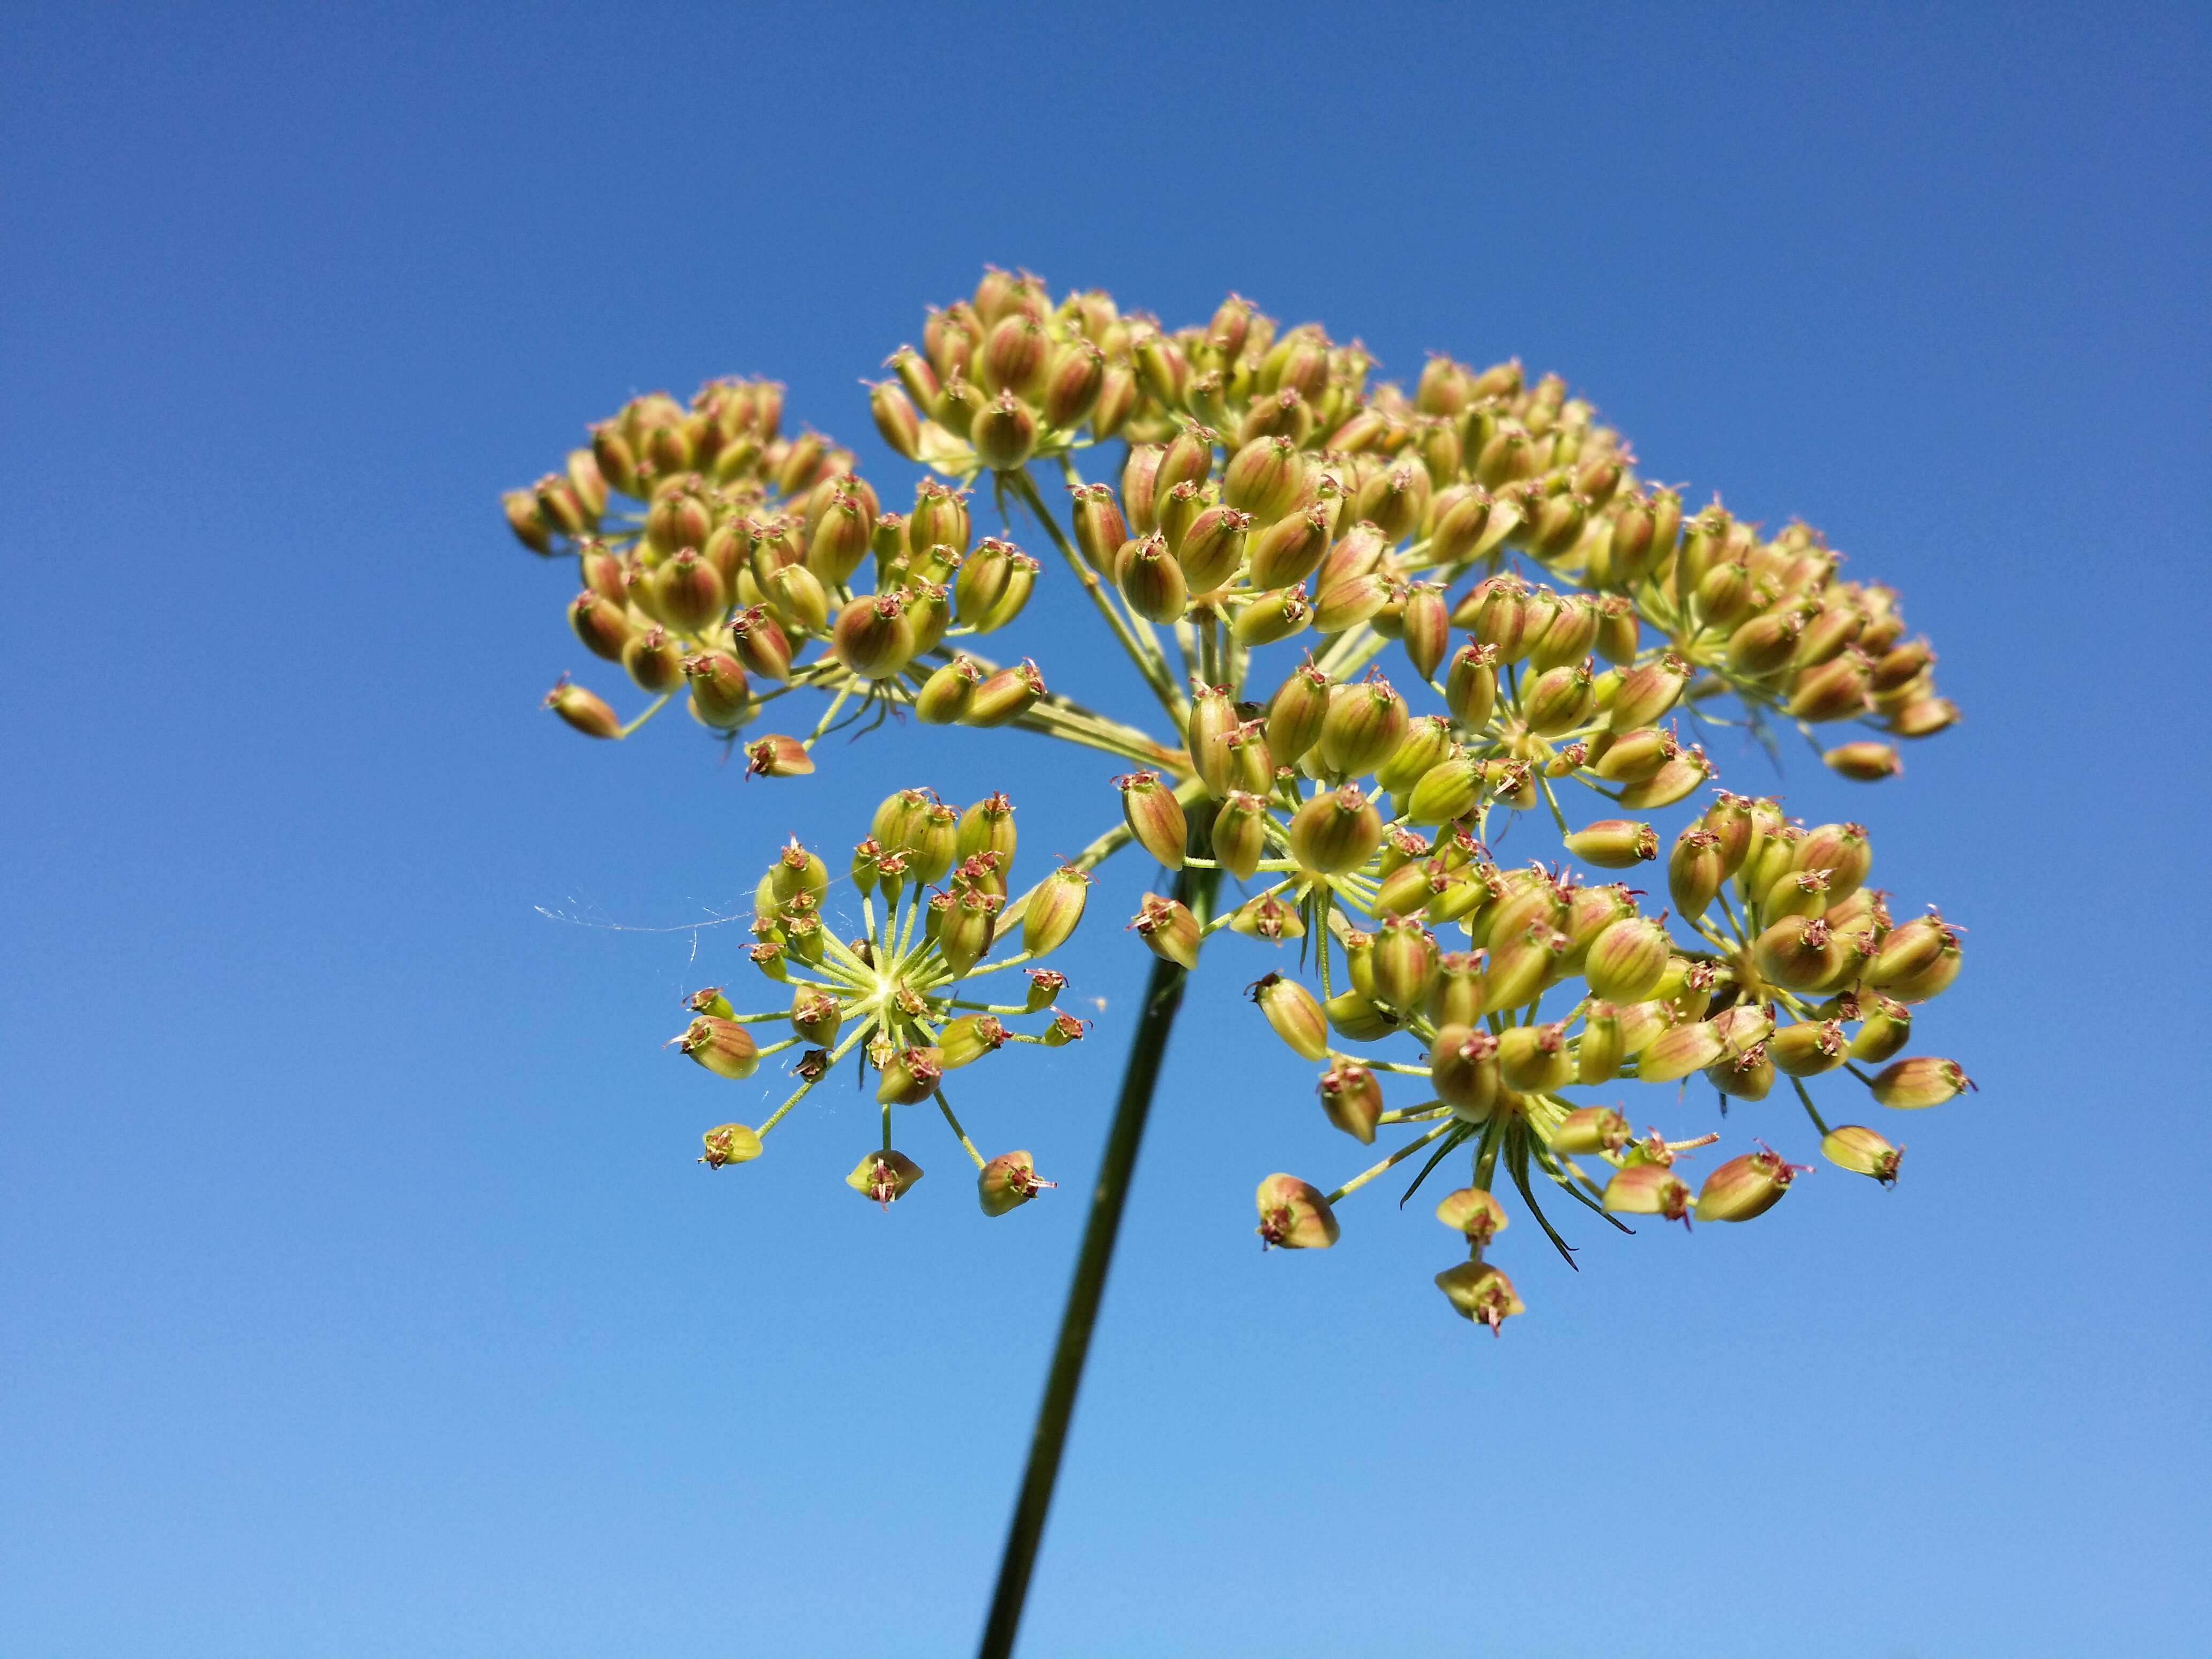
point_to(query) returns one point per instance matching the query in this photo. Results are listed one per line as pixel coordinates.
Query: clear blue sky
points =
(359, 1294)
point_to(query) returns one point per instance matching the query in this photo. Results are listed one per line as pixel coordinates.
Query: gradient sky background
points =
(359, 1294)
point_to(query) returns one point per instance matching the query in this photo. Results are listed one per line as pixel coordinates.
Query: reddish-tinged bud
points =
(949, 693)
(530, 526)
(1627, 961)
(1335, 831)
(1481, 1294)
(1863, 1151)
(1798, 954)
(1458, 518)
(874, 637)
(884, 1176)
(1601, 1048)
(1073, 383)
(1648, 692)
(1473, 1211)
(982, 579)
(1138, 476)
(583, 710)
(1265, 478)
(1352, 1101)
(777, 757)
(1099, 527)
(1864, 763)
(1154, 815)
(1425, 630)
(729, 1143)
(1695, 870)
(1006, 696)
(761, 644)
(1615, 843)
(1117, 400)
(1747, 1073)
(1569, 636)
(654, 660)
(709, 999)
(1055, 909)
(1213, 717)
(1294, 1015)
(1008, 1181)
(1591, 1129)
(1746, 1186)
(1364, 723)
(1427, 744)
(722, 1046)
(1212, 548)
(1649, 1190)
(1841, 849)
(1290, 549)
(1464, 1069)
(939, 518)
(1168, 930)
(1294, 1216)
(1471, 687)
(1922, 1080)
(1346, 604)
(1004, 433)
(1835, 690)
(603, 628)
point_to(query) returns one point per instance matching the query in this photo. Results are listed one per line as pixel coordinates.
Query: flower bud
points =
(729, 1143)
(1464, 1069)
(1648, 1189)
(1335, 831)
(1746, 1186)
(1100, 529)
(1006, 696)
(1055, 909)
(1154, 815)
(1294, 1216)
(1863, 1151)
(1294, 1015)
(1591, 1129)
(1008, 1181)
(1296, 712)
(1922, 1080)
(1615, 843)
(884, 1176)
(1168, 930)
(1473, 1211)
(722, 1046)
(1648, 692)
(1480, 1293)
(1352, 1100)
(582, 710)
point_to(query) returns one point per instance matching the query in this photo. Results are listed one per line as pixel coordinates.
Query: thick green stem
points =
(1162, 999)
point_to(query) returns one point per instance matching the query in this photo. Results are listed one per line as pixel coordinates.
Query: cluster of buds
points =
(1270, 527)
(934, 917)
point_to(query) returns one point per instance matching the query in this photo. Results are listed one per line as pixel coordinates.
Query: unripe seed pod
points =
(884, 1177)
(1648, 692)
(1480, 1293)
(1841, 850)
(1456, 993)
(1212, 548)
(1534, 1059)
(1457, 522)
(969, 1038)
(1294, 1216)
(982, 581)
(1405, 962)
(1008, 1181)
(840, 540)
(1177, 510)
(1359, 961)
(1213, 718)
(1072, 385)
(1766, 643)
(911, 1076)
(1795, 893)
(1154, 815)
(1335, 831)
(1924, 717)
(1294, 1015)
(1590, 911)
(1463, 1071)
(1168, 930)
(1797, 953)
(1151, 580)
(794, 594)
(1864, 763)
(1240, 833)
(1634, 757)
(1272, 616)
(604, 628)
(1187, 458)
(1747, 1074)
(1918, 961)
(1808, 1048)
(1642, 1025)
(1558, 700)
(1290, 549)
(1251, 766)
(677, 520)
(1729, 820)
(1138, 473)
(1863, 1151)
(1427, 744)
(1100, 529)
(722, 1046)
(1648, 1189)
(1570, 635)
(1745, 1187)
(1264, 478)
(583, 711)
(1356, 1020)
(1627, 961)
(1296, 713)
(729, 1143)
(1530, 897)
(1365, 722)
(1922, 1080)
(1678, 1052)
(1006, 696)
(1352, 1100)
(1884, 1028)
(1425, 630)
(1521, 966)
(654, 660)
(761, 644)
(1834, 690)
(815, 1016)
(948, 694)
(1615, 843)
(719, 697)
(1054, 910)
(1601, 1050)
(1591, 1129)
(1677, 781)
(930, 841)
(1475, 1212)
(1349, 602)
(1004, 432)
(896, 418)
(874, 636)
(1045, 987)
(1471, 688)
(988, 827)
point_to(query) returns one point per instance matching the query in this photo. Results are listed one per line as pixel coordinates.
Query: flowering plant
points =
(1276, 529)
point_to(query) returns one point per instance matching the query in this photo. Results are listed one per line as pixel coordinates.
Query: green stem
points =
(1162, 999)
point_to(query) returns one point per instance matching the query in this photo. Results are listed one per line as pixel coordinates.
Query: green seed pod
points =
(1240, 833)
(1447, 791)
(1836, 690)
(1045, 987)
(1677, 781)
(1006, 696)
(1590, 911)
(1797, 953)
(840, 540)
(1475, 1212)
(1008, 1181)
(1807, 1049)
(1795, 893)
(777, 755)
(761, 644)
(1100, 529)
(1924, 717)
(1634, 757)
(1359, 961)
(896, 419)
(729, 1143)
(1272, 616)
(1841, 850)
(1615, 844)
(1005, 433)
(932, 842)
(709, 999)
(1748, 1075)
(1352, 1100)
(1073, 383)
(719, 697)
(1296, 712)
(1864, 763)
(1267, 917)
(1922, 1080)
(797, 872)
(815, 1016)
(1679, 1051)
(911, 1076)
(948, 694)
(1356, 1020)
(1154, 815)
(797, 598)
(1054, 910)
(1335, 831)
(1521, 966)
(1151, 580)
(884, 1177)
(1642, 1025)
(874, 636)
(1918, 961)
(1290, 549)
(969, 924)
(1294, 1216)
(722, 1046)
(1569, 637)
(1347, 603)
(1264, 478)
(1464, 1071)
(969, 1038)
(654, 660)
(1495, 612)
(1213, 718)
(1178, 509)
(1558, 700)
(1746, 1186)
(899, 819)
(1168, 930)
(1863, 1151)
(1529, 897)
(1648, 1189)
(1534, 1059)
(988, 827)
(604, 628)
(1456, 993)
(1884, 1028)
(1212, 549)
(1648, 692)
(1601, 1050)
(1627, 961)
(1480, 1293)
(1619, 634)
(1471, 687)
(1405, 964)
(1294, 1015)
(1694, 871)
(982, 579)
(1426, 743)
(1590, 1129)
(939, 518)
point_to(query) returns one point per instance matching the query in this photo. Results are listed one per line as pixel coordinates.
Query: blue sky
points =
(360, 1296)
